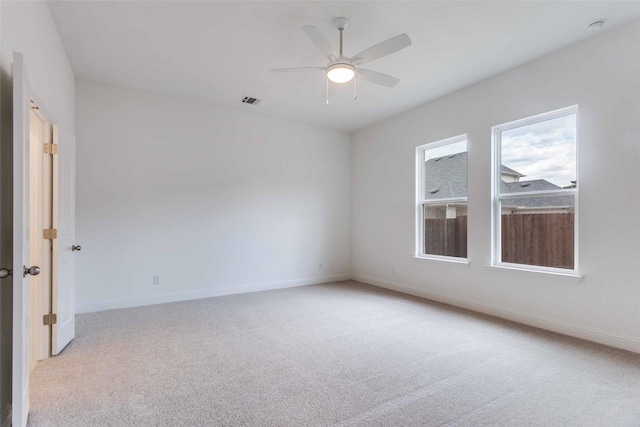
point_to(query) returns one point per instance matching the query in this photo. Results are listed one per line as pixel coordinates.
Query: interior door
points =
(20, 271)
(6, 264)
(63, 286)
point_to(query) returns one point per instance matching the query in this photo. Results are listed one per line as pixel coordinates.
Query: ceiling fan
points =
(342, 69)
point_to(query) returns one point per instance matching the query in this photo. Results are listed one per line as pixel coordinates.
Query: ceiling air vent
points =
(250, 100)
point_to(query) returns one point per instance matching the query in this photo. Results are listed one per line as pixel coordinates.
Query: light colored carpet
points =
(342, 354)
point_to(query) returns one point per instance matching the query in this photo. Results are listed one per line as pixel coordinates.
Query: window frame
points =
(422, 202)
(497, 197)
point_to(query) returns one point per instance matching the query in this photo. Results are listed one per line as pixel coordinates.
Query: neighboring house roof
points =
(534, 202)
(508, 171)
(522, 186)
(540, 202)
(446, 177)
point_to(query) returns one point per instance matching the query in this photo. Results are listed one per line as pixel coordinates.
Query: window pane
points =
(540, 156)
(445, 230)
(538, 231)
(445, 171)
(444, 178)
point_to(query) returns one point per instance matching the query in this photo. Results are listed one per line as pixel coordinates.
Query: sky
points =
(545, 150)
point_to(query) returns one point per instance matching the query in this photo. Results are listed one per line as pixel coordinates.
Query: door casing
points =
(40, 249)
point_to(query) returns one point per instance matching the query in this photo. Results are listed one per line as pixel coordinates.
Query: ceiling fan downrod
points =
(341, 23)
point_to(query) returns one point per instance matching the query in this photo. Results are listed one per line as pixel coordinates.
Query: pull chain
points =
(355, 86)
(327, 90)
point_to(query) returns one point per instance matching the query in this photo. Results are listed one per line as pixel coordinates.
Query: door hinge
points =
(51, 148)
(49, 319)
(50, 233)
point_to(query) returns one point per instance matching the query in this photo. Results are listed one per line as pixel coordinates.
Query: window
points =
(441, 195)
(535, 191)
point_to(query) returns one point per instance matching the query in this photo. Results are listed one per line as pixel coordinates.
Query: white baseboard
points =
(204, 293)
(577, 331)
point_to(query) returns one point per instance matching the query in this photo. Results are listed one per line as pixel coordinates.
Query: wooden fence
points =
(538, 239)
(446, 236)
(533, 239)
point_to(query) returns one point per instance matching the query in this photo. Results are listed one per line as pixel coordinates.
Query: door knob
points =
(76, 248)
(34, 271)
(4, 272)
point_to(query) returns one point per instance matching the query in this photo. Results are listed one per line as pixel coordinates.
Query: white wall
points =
(602, 76)
(214, 201)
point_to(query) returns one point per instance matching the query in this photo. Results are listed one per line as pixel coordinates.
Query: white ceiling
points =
(218, 52)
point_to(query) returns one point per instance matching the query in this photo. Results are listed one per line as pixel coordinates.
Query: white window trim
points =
(421, 201)
(496, 197)
(564, 275)
(443, 260)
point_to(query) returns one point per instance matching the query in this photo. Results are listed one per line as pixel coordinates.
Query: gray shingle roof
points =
(533, 202)
(522, 186)
(446, 177)
(540, 202)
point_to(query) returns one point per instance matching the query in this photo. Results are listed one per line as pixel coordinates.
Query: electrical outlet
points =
(320, 266)
(393, 270)
(156, 280)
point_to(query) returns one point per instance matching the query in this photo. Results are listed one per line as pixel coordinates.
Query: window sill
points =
(458, 262)
(569, 277)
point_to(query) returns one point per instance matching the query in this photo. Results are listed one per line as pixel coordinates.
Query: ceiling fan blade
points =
(378, 78)
(320, 41)
(284, 70)
(384, 48)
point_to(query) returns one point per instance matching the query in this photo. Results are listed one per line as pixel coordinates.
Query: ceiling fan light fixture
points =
(341, 73)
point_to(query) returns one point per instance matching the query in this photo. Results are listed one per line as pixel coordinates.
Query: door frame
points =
(41, 250)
